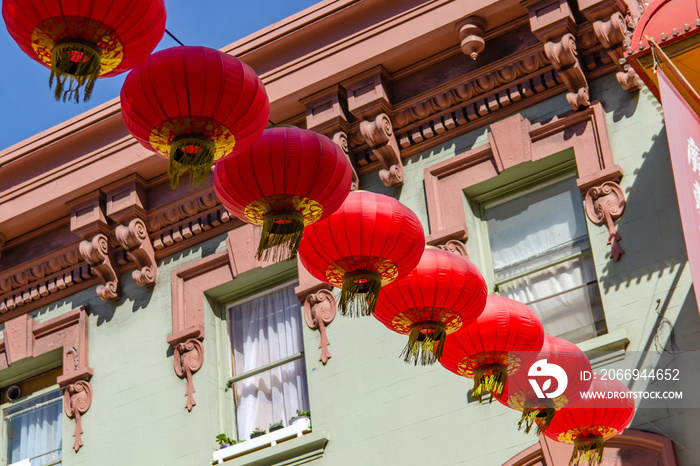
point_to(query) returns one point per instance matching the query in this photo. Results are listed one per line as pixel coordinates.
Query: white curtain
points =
(541, 228)
(35, 432)
(266, 330)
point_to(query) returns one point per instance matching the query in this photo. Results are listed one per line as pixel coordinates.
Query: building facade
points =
(137, 324)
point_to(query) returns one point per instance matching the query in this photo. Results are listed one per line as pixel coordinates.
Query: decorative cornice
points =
(604, 205)
(456, 247)
(320, 309)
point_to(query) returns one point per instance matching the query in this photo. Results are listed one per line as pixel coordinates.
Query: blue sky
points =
(27, 105)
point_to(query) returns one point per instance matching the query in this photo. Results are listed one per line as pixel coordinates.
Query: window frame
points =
(4, 443)
(483, 199)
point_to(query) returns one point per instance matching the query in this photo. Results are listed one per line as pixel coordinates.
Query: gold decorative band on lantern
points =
(359, 294)
(193, 153)
(589, 449)
(426, 341)
(489, 378)
(281, 234)
(78, 62)
(540, 413)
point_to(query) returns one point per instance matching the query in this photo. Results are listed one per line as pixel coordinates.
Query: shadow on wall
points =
(670, 348)
(130, 293)
(650, 228)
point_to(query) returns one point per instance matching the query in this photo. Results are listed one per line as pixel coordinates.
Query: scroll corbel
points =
(320, 309)
(98, 254)
(188, 359)
(564, 57)
(379, 135)
(604, 205)
(341, 140)
(135, 241)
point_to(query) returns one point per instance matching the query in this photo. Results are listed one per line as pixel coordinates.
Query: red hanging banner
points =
(683, 130)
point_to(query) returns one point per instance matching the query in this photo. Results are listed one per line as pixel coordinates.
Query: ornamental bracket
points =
(613, 25)
(320, 309)
(89, 222)
(77, 398)
(135, 241)
(188, 359)
(552, 21)
(379, 136)
(604, 205)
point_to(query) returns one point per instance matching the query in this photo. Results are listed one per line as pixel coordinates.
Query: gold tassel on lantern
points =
(426, 341)
(281, 235)
(193, 153)
(76, 65)
(589, 449)
(359, 294)
(489, 378)
(540, 415)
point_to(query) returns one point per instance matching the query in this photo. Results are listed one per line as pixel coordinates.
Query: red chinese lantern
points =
(441, 295)
(289, 178)
(370, 241)
(193, 105)
(82, 40)
(590, 421)
(559, 374)
(496, 345)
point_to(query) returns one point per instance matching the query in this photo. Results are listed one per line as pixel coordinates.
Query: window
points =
(270, 374)
(541, 256)
(33, 430)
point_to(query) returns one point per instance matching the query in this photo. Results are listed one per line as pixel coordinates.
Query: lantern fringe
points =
(489, 378)
(281, 235)
(359, 294)
(539, 416)
(589, 449)
(71, 75)
(426, 341)
(190, 153)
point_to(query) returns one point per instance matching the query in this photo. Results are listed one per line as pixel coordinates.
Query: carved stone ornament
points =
(564, 57)
(77, 398)
(188, 359)
(341, 139)
(471, 33)
(605, 204)
(456, 247)
(97, 253)
(134, 239)
(379, 135)
(319, 310)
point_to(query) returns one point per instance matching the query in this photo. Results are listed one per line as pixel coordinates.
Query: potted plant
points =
(224, 441)
(257, 432)
(276, 426)
(302, 418)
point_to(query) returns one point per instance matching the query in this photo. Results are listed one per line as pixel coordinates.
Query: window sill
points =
(606, 349)
(293, 442)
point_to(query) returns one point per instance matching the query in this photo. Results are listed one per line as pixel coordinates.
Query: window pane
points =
(34, 430)
(565, 297)
(537, 223)
(270, 397)
(264, 331)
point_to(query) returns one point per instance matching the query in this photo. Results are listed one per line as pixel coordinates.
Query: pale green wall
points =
(373, 408)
